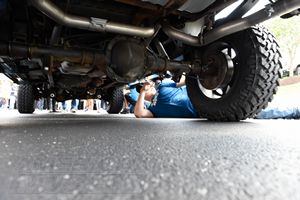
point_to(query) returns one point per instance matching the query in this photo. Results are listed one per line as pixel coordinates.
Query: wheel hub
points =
(218, 71)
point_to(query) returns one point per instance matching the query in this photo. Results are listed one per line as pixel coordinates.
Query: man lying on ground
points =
(167, 100)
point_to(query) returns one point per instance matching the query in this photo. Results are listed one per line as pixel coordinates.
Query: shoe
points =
(102, 111)
(125, 111)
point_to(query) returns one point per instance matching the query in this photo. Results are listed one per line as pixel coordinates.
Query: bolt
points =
(270, 10)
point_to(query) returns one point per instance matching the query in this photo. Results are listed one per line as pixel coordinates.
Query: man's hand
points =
(147, 86)
(181, 81)
(139, 110)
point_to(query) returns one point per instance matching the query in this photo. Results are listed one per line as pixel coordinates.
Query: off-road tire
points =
(255, 79)
(25, 101)
(115, 101)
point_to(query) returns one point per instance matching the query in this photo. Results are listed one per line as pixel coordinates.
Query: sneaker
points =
(102, 111)
(125, 111)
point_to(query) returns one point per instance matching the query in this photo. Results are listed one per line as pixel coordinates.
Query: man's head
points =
(150, 93)
(149, 90)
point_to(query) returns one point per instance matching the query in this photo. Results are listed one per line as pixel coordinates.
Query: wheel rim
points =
(225, 84)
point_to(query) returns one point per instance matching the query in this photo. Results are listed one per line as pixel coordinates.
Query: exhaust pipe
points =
(102, 25)
(272, 10)
(80, 56)
(91, 24)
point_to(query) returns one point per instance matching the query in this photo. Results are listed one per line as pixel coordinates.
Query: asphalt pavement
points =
(92, 156)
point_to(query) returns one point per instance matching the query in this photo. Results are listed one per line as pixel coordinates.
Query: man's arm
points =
(139, 110)
(181, 81)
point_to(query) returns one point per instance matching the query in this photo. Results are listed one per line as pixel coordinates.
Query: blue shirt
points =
(134, 95)
(172, 102)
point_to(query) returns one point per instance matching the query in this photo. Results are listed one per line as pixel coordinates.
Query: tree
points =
(287, 32)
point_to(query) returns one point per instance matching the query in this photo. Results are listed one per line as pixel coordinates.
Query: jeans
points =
(279, 113)
(74, 104)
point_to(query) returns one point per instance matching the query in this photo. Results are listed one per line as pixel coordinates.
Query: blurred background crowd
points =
(8, 100)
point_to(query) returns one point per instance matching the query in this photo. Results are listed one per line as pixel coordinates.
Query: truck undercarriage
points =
(89, 49)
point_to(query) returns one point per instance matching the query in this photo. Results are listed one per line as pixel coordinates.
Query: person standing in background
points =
(89, 105)
(5, 91)
(12, 100)
(100, 105)
(68, 105)
(74, 105)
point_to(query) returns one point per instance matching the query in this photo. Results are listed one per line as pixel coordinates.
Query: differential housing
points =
(126, 60)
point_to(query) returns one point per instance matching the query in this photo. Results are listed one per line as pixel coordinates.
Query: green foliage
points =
(287, 32)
